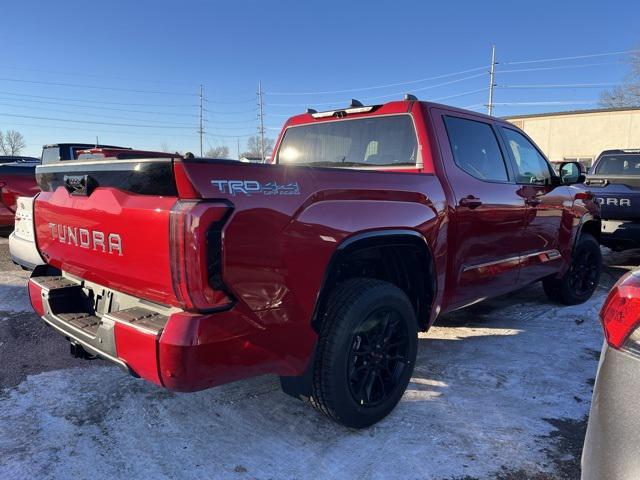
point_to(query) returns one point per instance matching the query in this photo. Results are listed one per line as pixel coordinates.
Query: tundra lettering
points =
(320, 267)
(85, 238)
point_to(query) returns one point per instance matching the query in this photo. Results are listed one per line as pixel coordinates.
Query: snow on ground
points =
(12, 298)
(491, 385)
(487, 381)
(12, 293)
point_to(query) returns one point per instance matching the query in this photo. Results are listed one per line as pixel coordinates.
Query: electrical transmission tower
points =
(261, 117)
(201, 130)
(492, 84)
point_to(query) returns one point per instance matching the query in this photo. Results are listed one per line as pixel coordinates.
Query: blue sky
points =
(144, 61)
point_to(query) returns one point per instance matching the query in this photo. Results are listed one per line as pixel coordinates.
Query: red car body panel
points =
(16, 180)
(276, 250)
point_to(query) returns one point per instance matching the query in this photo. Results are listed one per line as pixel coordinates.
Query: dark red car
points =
(17, 179)
(321, 267)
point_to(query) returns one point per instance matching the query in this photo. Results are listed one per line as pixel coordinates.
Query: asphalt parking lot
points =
(501, 390)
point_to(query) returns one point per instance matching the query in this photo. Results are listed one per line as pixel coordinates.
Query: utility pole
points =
(261, 116)
(492, 84)
(201, 131)
(238, 149)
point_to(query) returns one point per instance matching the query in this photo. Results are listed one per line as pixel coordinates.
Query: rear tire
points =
(581, 280)
(365, 353)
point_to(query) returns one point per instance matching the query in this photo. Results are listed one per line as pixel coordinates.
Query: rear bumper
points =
(24, 252)
(612, 441)
(175, 349)
(620, 235)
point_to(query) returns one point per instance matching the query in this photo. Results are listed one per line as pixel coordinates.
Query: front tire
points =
(366, 352)
(581, 280)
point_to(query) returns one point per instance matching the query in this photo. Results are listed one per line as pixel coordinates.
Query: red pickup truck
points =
(321, 267)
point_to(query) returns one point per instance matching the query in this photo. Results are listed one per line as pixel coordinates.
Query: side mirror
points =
(572, 173)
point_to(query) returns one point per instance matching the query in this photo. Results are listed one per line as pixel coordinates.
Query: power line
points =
(100, 115)
(421, 89)
(67, 128)
(230, 102)
(96, 87)
(99, 101)
(85, 74)
(227, 122)
(456, 95)
(97, 107)
(234, 112)
(87, 121)
(560, 102)
(230, 136)
(558, 67)
(375, 87)
(577, 57)
(216, 127)
(559, 85)
(396, 94)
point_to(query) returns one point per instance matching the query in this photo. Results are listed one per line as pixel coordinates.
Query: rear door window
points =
(384, 141)
(475, 149)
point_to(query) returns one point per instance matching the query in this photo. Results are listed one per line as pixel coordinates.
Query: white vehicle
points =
(22, 244)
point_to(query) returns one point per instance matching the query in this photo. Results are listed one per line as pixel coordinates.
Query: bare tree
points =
(627, 94)
(217, 152)
(164, 147)
(253, 146)
(12, 142)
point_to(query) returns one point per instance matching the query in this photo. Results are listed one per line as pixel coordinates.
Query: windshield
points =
(368, 142)
(622, 164)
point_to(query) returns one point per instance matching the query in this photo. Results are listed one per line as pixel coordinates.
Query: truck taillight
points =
(196, 255)
(620, 314)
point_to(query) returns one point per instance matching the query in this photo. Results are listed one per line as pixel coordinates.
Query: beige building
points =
(581, 135)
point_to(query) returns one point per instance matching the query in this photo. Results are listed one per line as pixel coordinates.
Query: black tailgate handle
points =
(601, 182)
(79, 184)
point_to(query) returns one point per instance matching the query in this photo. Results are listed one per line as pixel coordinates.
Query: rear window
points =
(625, 164)
(366, 142)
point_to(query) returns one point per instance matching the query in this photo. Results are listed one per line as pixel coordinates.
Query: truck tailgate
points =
(108, 222)
(112, 238)
(618, 196)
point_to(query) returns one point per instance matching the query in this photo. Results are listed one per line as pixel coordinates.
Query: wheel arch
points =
(589, 224)
(400, 256)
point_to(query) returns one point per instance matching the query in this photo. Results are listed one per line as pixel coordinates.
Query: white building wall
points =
(582, 135)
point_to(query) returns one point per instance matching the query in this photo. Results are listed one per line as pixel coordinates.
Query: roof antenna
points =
(311, 110)
(356, 103)
(411, 98)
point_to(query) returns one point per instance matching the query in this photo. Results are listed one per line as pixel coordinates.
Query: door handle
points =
(470, 202)
(533, 201)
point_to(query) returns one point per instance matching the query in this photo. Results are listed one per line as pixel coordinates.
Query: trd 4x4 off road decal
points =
(249, 187)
